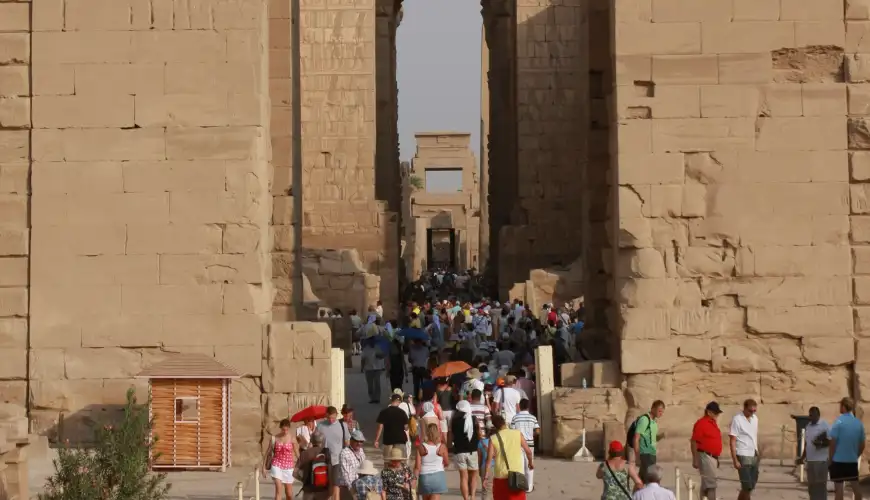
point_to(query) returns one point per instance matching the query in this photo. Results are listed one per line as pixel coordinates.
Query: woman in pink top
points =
(280, 460)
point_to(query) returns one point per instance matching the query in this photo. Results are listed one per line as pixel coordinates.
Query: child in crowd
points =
(482, 448)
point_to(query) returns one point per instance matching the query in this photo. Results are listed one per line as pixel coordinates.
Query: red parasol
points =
(315, 412)
(450, 368)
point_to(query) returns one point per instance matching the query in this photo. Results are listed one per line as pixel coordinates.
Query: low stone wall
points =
(14, 447)
(593, 408)
(609, 412)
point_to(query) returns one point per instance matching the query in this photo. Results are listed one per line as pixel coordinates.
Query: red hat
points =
(615, 447)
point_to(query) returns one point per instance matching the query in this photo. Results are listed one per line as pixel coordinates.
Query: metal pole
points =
(240, 487)
(691, 489)
(676, 482)
(801, 447)
(257, 484)
(296, 151)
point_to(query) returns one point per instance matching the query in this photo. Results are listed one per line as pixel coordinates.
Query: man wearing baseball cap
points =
(706, 448)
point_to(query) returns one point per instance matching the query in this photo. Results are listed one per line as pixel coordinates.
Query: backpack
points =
(318, 472)
(412, 422)
(632, 430)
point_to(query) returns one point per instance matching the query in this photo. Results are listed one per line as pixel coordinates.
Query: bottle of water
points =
(584, 382)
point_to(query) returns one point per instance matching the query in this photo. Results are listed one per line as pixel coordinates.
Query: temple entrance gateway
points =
(441, 204)
(441, 248)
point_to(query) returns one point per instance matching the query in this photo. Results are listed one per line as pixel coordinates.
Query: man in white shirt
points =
(507, 399)
(653, 489)
(744, 447)
(815, 456)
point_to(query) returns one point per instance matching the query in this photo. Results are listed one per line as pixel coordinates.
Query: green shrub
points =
(117, 467)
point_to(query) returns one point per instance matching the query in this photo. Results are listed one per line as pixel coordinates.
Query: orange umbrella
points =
(450, 368)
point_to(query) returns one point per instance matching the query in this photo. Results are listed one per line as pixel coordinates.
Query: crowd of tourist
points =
(483, 416)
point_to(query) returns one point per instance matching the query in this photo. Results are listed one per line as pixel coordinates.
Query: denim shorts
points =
(434, 483)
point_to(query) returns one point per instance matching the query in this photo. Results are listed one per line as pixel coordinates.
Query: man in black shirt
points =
(393, 426)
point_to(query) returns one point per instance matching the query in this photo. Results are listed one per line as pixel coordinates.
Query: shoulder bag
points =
(516, 480)
(270, 453)
(412, 493)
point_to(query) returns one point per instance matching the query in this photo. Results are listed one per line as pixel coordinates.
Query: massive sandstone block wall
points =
(740, 158)
(149, 199)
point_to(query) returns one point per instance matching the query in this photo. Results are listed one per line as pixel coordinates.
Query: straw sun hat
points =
(396, 453)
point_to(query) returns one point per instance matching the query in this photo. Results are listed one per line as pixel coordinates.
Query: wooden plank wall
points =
(188, 444)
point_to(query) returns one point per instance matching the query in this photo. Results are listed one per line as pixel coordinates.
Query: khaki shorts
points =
(707, 469)
(466, 461)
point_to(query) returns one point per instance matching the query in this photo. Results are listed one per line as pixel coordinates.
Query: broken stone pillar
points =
(421, 225)
(297, 371)
(15, 473)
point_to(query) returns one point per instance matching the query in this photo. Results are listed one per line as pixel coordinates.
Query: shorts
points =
(283, 475)
(748, 472)
(434, 483)
(645, 462)
(466, 461)
(843, 471)
(707, 469)
(334, 474)
(448, 414)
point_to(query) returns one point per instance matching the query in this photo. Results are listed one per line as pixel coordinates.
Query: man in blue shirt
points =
(847, 444)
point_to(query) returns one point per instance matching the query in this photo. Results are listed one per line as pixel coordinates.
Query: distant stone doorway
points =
(441, 248)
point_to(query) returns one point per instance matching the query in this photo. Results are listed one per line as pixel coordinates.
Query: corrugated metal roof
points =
(189, 366)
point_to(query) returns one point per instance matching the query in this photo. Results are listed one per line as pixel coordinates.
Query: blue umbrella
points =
(413, 334)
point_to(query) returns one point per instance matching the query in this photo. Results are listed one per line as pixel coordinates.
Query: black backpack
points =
(632, 430)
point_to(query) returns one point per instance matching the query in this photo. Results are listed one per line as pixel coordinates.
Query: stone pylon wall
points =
(551, 84)
(148, 167)
(350, 236)
(739, 154)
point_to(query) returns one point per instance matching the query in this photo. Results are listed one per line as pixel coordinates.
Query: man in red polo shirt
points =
(706, 448)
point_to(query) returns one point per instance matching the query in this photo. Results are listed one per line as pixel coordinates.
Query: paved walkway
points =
(553, 479)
